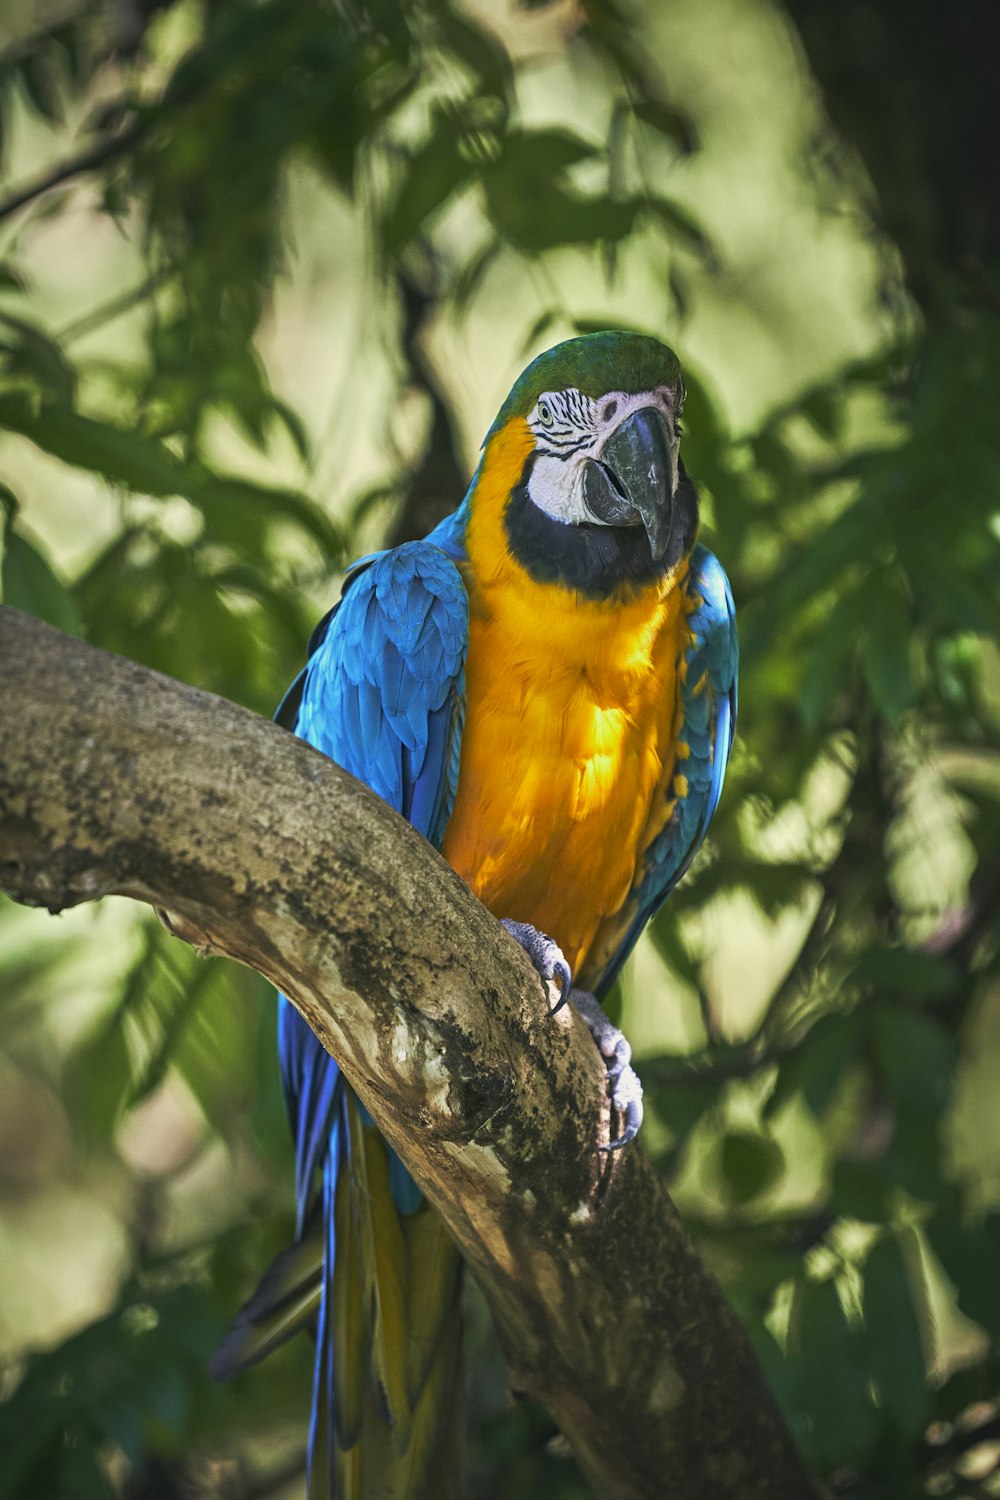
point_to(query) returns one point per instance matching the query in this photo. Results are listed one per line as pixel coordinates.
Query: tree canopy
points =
(266, 272)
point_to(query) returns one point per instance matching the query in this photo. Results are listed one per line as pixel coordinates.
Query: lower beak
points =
(636, 477)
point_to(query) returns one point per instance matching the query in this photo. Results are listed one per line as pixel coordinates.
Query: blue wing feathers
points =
(427, 800)
(708, 695)
(382, 695)
(389, 662)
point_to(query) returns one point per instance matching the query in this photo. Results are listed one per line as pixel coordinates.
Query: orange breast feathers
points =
(569, 749)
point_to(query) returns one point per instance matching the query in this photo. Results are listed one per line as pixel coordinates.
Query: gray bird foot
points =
(626, 1090)
(546, 956)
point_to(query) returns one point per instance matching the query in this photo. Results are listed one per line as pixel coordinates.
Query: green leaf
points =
(826, 663)
(129, 458)
(816, 1068)
(122, 1423)
(913, 1159)
(37, 72)
(541, 325)
(775, 887)
(682, 1105)
(473, 273)
(234, 507)
(125, 1056)
(28, 582)
(907, 972)
(160, 1015)
(775, 457)
(827, 1357)
(478, 49)
(886, 650)
(945, 591)
(9, 506)
(669, 943)
(293, 425)
(189, 1323)
(810, 573)
(77, 1472)
(96, 1084)
(215, 1053)
(969, 1251)
(893, 1343)
(231, 506)
(539, 157)
(782, 1376)
(678, 285)
(824, 409)
(916, 1057)
(168, 1396)
(860, 1189)
(69, 38)
(678, 127)
(542, 215)
(751, 1164)
(11, 277)
(681, 225)
(31, 352)
(437, 171)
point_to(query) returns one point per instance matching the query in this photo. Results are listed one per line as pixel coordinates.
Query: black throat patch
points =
(595, 561)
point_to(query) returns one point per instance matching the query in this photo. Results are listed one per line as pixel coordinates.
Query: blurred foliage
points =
(824, 1108)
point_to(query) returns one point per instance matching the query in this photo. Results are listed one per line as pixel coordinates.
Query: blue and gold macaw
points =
(545, 687)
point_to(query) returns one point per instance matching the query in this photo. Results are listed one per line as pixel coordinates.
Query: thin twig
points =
(96, 156)
(116, 306)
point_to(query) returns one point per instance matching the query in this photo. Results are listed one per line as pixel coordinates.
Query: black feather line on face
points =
(595, 561)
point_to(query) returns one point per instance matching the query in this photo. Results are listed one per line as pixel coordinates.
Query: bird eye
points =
(545, 414)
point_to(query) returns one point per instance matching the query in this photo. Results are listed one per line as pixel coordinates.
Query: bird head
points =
(601, 500)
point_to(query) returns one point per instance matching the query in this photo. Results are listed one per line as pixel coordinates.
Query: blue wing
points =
(705, 738)
(383, 695)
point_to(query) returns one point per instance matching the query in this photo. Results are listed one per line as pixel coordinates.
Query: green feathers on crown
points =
(594, 363)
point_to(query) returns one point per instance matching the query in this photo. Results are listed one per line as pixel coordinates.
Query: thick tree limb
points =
(114, 779)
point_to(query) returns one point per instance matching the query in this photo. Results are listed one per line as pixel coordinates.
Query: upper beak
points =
(635, 477)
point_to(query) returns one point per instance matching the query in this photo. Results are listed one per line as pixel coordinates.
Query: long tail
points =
(376, 1273)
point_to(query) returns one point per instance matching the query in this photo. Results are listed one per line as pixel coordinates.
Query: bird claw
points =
(626, 1097)
(626, 1090)
(546, 955)
(551, 966)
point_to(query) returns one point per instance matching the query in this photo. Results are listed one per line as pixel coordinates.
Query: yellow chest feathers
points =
(569, 749)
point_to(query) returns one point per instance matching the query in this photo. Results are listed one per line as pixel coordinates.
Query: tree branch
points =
(97, 155)
(114, 779)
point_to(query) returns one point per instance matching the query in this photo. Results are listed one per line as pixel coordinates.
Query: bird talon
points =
(627, 1101)
(619, 1059)
(565, 976)
(546, 956)
(623, 1080)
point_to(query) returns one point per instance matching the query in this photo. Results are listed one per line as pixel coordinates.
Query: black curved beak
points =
(635, 478)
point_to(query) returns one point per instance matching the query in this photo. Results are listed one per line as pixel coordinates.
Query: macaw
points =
(545, 687)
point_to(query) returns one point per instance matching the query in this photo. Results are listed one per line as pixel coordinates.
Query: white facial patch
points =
(569, 429)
